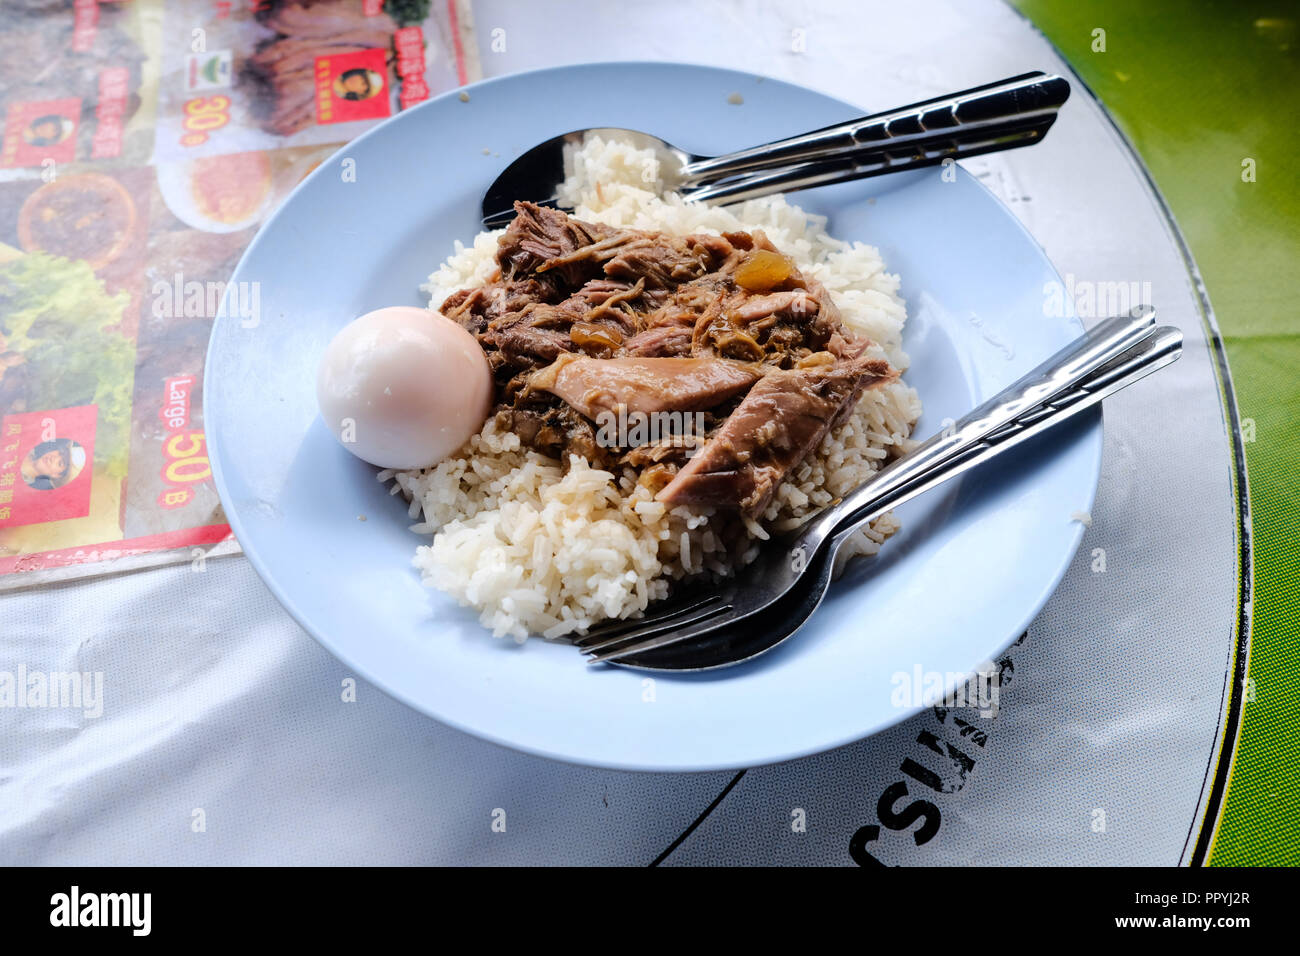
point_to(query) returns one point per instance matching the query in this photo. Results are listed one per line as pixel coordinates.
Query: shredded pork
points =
(583, 319)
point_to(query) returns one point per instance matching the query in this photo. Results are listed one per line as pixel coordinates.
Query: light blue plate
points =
(971, 568)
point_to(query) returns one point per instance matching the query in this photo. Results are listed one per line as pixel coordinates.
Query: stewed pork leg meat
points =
(583, 318)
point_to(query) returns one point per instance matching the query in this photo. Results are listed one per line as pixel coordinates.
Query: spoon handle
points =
(1029, 98)
(873, 162)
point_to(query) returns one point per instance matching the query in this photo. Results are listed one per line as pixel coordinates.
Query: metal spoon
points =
(1013, 112)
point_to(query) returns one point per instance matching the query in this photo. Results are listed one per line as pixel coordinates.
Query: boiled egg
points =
(403, 387)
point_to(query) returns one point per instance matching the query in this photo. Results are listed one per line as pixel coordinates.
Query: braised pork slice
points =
(643, 385)
(782, 419)
(538, 235)
(661, 340)
(581, 318)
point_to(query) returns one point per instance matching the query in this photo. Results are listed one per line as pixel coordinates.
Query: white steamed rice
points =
(538, 550)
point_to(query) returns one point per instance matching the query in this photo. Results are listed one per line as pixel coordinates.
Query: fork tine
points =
(619, 628)
(656, 625)
(709, 621)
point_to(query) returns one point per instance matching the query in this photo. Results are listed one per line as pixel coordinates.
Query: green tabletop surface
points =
(1209, 94)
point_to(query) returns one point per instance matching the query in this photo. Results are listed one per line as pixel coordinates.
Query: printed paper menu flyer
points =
(142, 143)
(78, 80)
(267, 73)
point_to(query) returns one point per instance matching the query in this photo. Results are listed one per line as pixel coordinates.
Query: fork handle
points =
(1028, 97)
(1057, 376)
(1160, 347)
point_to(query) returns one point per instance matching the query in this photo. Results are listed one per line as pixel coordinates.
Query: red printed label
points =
(352, 86)
(110, 113)
(40, 131)
(409, 43)
(184, 452)
(85, 18)
(46, 465)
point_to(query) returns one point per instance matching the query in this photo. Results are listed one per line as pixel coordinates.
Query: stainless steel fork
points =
(1116, 352)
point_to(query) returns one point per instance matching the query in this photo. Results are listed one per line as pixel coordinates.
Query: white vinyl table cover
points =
(225, 737)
